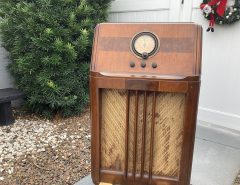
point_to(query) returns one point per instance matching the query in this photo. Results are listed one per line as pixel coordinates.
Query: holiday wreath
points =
(216, 11)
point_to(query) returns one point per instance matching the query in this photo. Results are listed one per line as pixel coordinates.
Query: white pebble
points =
(10, 171)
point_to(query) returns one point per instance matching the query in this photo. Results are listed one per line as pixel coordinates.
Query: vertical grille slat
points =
(127, 134)
(152, 136)
(144, 133)
(135, 136)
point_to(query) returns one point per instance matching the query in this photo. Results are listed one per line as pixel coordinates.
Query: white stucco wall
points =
(220, 90)
(220, 95)
(5, 78)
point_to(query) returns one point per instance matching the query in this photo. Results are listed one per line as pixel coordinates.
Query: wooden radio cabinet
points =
(144, 84)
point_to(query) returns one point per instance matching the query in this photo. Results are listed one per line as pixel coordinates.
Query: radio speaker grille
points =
(142, 132)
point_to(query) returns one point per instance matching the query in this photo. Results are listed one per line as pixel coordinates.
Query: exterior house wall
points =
(5, 78)
(220, 91)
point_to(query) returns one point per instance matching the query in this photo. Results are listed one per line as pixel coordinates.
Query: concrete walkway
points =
(216, 156)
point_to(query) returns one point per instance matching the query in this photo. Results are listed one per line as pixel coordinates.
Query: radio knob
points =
(145, 55)
(154, 65)
(143, 64)
(132, 64)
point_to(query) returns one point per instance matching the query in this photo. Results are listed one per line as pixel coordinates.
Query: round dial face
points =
(145, 43)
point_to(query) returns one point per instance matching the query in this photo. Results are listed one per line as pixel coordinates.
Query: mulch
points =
(61, 164)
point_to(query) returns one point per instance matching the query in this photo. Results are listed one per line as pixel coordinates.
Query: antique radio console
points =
(144, 84)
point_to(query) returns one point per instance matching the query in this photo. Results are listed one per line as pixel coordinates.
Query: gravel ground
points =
(42, 152)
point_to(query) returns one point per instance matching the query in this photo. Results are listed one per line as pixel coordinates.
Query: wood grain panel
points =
(167, 64)
(168, 45)
(177, 54)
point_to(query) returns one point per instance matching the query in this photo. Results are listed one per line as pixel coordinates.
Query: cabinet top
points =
(172, 49)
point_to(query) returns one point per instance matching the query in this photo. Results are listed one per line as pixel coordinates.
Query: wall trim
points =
(134, 5)
(228, 120)
(142, 10)
(218, 135)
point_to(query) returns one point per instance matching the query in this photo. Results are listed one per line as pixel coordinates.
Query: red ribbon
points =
(212, 20)
(221, 7)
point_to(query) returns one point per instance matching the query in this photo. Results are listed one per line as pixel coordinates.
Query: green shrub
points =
(50, 42)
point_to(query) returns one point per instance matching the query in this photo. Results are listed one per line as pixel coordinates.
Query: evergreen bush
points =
(50, 42)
